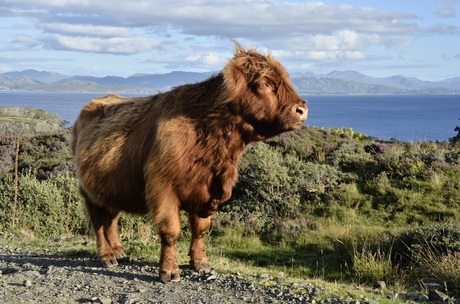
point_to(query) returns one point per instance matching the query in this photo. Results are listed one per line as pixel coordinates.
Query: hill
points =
(336, 82)
(15, 120)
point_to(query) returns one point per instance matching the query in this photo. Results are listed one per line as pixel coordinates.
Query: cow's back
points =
(91, 118)
(109, 148)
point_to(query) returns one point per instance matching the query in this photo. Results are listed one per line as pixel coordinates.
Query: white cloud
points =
(237, 18)
(308, 30)
(446, 8)
(86, 29)
(334, 55)
(122, 46)
(207, 59)
(345, 40)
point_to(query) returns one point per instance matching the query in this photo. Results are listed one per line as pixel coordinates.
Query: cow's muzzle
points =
(301, 111)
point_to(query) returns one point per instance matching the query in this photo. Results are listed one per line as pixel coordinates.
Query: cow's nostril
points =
(302, 112)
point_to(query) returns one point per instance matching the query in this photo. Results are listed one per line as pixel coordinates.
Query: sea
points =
(405, 118)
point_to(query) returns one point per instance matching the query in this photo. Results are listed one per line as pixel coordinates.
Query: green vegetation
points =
(14, 120)
(333, 205)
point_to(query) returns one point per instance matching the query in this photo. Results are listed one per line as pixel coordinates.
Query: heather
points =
(330, 204)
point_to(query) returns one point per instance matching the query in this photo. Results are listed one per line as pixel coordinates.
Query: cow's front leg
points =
(167, 222)
(197, 253)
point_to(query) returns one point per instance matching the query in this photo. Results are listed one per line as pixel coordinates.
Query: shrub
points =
(401, 163)
(441, 267)
(45, 208)
(273, 185)
(456, 139)
(441, 237)
(370, 266)
(376, 147)
(263, 184)
(432, 252)
(351, 157)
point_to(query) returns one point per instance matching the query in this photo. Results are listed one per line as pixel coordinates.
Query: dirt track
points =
(78, 278)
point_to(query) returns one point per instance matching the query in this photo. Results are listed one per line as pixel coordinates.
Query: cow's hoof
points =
(203, 266)
(120, 253)
(169, 277)
(109, 262)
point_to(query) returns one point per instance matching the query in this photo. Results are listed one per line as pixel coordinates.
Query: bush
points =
(351, 157)
(456, 139)
(276, 186)
(401, 164)
(441, 267)
(441, 237)
(432, 252)
(45, 208)
(370, 266)
(264, 183)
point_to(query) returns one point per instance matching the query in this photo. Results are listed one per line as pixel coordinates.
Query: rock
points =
(101, 300)
(436, 295)
(58, 278)
(392, 296)
(372, 302)
(381, 285)
(31, 273)
(432, 286)
(141, 289)
(414, 296)
(211, 277)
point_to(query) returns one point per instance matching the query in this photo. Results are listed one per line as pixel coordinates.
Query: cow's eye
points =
(265, 86)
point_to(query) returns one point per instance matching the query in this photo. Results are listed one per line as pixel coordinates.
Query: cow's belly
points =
(121, 192)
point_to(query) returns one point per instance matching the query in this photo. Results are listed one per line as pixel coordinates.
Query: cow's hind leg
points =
(111, 234)
(197, 253)
(105, 222)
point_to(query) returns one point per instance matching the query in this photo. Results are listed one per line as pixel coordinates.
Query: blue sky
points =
(380, 38)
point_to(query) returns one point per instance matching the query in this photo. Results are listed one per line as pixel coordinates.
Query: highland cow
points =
(178, 150)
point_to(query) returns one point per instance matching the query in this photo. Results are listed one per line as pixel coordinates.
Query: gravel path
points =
(78, 278)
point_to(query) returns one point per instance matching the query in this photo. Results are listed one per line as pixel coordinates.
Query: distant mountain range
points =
(336, 82)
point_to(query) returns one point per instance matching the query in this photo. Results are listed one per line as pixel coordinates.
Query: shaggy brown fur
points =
(178, 150)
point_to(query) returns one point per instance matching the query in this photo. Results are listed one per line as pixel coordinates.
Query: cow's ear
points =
(235, 77)
(237, 72)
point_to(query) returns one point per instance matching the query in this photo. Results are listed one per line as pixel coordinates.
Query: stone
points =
(432, 286)
(211, 277)
(392, 296)
(31, 273)
(264, 276)
(104, 300)
(414, 296)
(436, 295)
(381, 285)
(27, 283)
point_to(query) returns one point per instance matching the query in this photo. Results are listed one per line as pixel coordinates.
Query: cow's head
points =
(259, 90)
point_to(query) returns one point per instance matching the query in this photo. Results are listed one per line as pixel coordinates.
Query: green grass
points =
(326, 205)
(15, 120)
